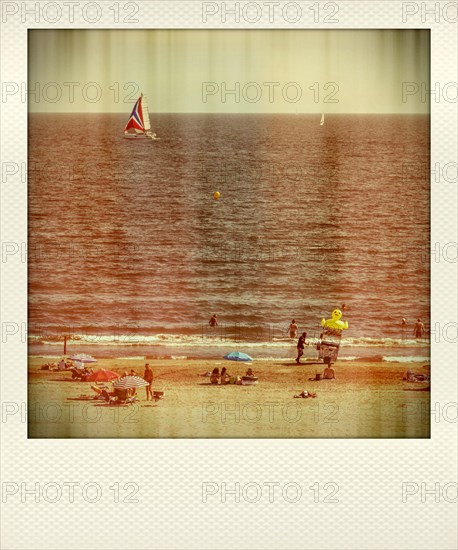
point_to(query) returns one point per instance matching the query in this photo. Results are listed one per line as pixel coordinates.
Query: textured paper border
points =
(171, 474)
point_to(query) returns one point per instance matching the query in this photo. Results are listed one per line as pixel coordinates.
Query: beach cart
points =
(329, 344)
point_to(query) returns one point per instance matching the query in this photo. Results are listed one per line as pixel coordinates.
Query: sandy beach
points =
(367, 400)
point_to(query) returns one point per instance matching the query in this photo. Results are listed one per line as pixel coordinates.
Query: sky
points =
(268, 71)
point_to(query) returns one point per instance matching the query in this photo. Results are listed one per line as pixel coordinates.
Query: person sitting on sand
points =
(79, 374)
(62, 364)
(86, 372)
(132, 373)
(121, 394)
(224, 376)
(76, 373)
(214, 376)
(328, 373)
(102, 393)
(249, 372)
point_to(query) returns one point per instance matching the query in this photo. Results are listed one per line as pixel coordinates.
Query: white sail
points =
(322, 120)
(146, 114)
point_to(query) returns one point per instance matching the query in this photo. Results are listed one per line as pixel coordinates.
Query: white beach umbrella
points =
(128, 382)
(84, 358)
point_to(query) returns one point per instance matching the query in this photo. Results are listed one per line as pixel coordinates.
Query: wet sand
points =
(367, 400)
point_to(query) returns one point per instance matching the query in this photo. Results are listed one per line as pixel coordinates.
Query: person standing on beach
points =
(148, 376)
(213, 322)
(292, 329)
(419, 329)
(300, 346)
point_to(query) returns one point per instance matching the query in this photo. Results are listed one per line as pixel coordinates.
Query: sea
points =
(129, 253)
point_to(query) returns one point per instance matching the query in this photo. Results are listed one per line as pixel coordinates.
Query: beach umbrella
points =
(237, 356)
(102, 375)
(83, 358)
(128, 382)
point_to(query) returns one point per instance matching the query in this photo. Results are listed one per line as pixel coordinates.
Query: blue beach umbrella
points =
(237, 356)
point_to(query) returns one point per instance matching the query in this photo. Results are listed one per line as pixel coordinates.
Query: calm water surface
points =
(126, 241)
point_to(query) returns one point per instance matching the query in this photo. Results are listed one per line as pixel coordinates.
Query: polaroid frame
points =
(186, 494)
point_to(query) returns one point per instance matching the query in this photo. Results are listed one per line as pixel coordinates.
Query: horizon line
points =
(216, 113)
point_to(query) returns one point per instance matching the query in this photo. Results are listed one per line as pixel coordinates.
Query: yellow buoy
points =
(216, 195)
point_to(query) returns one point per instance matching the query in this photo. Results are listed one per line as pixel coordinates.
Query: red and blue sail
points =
(136, 120)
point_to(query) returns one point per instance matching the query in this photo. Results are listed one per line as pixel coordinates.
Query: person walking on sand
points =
(293, 329)
(213, 321)
(419, 329)
(148, 377)
(300, 346)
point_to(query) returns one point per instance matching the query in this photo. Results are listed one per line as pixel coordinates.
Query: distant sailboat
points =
(322, 120)
(138, 125)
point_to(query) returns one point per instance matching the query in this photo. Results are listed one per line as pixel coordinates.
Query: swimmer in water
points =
(419, 329)
(293, 329)
(213, 322)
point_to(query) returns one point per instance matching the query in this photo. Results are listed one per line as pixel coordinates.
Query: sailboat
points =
(322, 120)
(138, 126)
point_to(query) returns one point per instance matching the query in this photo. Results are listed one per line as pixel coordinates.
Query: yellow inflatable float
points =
(335, 322)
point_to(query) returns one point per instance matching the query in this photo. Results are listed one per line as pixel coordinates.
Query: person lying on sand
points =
(305, 394)
(50, 366)
(412, 377)
(102, 393)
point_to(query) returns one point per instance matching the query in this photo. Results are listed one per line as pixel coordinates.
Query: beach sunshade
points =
(237, 356)
(84, 358)
(102, 375)
(127, 382)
